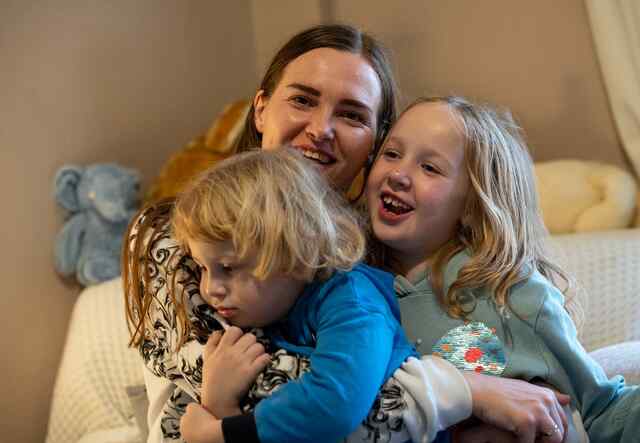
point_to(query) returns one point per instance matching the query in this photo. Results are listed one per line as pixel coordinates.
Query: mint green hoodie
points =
(533, 339)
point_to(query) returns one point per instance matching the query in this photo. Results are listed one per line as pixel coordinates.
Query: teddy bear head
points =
(109, 189)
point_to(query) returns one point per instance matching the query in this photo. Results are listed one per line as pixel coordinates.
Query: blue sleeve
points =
(348, 366)
(610, 410)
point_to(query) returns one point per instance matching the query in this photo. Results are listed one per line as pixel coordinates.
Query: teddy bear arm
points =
(69, 244)
(98, 268)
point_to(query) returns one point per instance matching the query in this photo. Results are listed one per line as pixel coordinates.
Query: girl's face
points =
(326, 105)
(228, 285)
(418, 185)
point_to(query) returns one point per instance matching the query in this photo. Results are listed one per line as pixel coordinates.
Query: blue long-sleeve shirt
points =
(349, 327)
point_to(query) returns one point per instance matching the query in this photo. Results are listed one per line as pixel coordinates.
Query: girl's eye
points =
(429, 168)
(226, 268)
(391, 153)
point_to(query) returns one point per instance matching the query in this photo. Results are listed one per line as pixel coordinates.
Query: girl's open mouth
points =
(393, 205)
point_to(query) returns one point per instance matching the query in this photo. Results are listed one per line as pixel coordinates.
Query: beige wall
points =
(82, 82)
(274, 21)
(536, 57)
(88, 81)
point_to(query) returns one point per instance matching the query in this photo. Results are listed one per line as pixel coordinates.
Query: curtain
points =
(615, 25)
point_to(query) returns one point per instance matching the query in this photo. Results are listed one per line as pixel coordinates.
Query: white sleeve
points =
(440, 394)
(159, 391)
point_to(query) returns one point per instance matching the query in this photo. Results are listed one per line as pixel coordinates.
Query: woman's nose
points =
(399, 179)
(320, 127)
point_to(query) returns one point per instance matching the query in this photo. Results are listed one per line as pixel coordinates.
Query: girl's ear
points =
(259, 103)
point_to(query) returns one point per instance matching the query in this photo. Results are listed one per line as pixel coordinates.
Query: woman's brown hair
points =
(152, 223)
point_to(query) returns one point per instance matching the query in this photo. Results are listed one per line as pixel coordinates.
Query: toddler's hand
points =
(231, 363)
(197, 425)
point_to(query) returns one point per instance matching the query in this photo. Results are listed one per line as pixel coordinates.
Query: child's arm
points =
(610, 410)
(197, 425)
(348, 366)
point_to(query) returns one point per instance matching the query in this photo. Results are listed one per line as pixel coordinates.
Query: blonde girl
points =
(453, 205)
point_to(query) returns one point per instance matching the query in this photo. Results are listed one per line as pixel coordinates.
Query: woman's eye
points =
(226, 268)
(301, 100)
(355, 117)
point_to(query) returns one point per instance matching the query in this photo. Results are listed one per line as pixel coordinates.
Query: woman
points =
(329, 92)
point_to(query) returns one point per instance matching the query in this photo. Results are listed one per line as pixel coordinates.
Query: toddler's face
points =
(418, 185)
(228, 285)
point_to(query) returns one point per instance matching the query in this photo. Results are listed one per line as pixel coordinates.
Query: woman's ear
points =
(259, 103)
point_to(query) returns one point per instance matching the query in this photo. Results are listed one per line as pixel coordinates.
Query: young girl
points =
(453, 204)
(278, 249)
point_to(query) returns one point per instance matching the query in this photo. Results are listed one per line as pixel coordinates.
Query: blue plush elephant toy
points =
(101, 200)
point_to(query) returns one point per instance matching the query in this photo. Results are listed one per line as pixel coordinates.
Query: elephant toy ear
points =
(66, 187)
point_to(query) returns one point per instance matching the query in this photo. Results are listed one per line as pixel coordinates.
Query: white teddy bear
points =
(581, 196)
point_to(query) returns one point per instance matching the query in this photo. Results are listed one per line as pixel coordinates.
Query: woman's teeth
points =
(315, 155)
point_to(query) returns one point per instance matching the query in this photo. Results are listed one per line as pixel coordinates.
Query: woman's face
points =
(326, 105)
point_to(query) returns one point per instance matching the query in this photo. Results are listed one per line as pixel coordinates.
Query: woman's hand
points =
(231, 363)
(199, 426)
(526, 410)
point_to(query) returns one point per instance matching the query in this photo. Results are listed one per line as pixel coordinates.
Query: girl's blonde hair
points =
(274, 204)
(501, 223)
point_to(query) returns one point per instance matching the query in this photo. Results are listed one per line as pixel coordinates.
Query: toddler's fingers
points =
(212, 343)
(254, 351)
(245, 342)
(231, 336)
(259, 364)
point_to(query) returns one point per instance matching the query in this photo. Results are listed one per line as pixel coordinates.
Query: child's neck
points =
(412, 268)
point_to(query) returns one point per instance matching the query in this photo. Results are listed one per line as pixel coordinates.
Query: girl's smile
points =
(393, 209)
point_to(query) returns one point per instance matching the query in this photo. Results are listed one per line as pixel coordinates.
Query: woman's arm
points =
(445, 396)
(159, 390)
(440, 392)
(524, 409)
